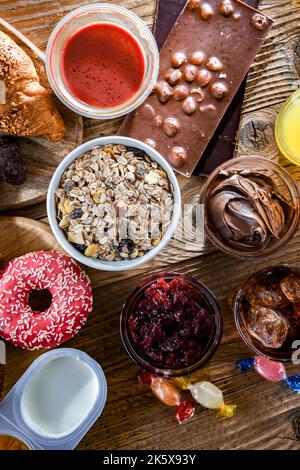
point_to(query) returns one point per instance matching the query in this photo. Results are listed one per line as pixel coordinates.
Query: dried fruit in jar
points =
(171, 325)
(268, 326)
(290, 286)
(268, 295)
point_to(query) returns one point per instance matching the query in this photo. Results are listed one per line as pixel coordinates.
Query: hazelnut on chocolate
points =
(193, 4)
(208, 107)
(158, 120)
(180, 92)
(205, 11)
(178, 59)
(259, 21)
(190, 72)
(189, 105)
(198, 92)
(197, 58)
(147, 111)
(171, 126)
(163, 91)
(178, 157)
(226, 8)
(204, 77)
(219, 90)
(214, 64)
(150, 142)
(173, 76)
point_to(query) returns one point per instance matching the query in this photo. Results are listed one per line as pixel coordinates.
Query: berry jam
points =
(171, 325)
(103, 65)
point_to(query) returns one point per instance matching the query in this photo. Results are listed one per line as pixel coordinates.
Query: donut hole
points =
(40, 300)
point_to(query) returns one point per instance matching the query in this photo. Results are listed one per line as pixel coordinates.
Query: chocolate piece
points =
(221, 146)
(236, 58)
(246, 210)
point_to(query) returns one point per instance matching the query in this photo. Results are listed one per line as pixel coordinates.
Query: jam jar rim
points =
(212, 304)
(295, 198)
(260, 349)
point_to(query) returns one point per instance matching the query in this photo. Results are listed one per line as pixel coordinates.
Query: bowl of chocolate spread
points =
(251, 207)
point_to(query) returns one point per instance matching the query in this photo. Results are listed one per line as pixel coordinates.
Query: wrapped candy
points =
(169, 395)
(270, 370)
(204, 393)
(207, 395)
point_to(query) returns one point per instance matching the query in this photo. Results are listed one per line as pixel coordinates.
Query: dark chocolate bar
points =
(195, 90)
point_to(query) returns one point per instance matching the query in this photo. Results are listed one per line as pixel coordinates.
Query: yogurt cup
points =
(55, 402)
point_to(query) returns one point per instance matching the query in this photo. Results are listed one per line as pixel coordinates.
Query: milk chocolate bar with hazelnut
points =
(221, 146)
(202, 64)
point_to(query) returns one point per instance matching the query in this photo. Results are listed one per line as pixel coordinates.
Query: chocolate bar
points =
(202, 64)
(221, 147)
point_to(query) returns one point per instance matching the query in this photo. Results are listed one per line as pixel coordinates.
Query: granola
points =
(114, 203)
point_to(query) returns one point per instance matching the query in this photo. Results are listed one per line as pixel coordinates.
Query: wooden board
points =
(268, 414)
(133, 418)
(40, 156)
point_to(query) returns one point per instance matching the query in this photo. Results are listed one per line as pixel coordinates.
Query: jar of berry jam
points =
(171, 324)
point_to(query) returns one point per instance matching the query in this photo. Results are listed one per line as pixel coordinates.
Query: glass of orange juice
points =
(287, 128)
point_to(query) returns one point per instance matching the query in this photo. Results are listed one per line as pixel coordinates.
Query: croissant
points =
(26, 107)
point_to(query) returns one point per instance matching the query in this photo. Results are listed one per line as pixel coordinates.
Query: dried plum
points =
(12, 168)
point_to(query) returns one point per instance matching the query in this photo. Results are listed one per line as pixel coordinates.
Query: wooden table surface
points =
(268, 415)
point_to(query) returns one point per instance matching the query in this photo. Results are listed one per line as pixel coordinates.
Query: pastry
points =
(27, 109)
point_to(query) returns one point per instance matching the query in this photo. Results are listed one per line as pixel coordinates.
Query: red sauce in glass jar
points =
(103, 65)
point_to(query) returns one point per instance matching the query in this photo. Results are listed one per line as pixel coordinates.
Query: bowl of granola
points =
(113, 203)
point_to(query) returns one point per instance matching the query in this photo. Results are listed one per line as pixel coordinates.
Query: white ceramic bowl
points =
(59, 234)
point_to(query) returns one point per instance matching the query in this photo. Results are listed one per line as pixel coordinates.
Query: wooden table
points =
(268, 414)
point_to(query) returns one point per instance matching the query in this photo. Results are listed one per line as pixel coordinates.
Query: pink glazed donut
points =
(72, 300)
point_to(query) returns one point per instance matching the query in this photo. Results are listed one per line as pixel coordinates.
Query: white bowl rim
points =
(98, 264)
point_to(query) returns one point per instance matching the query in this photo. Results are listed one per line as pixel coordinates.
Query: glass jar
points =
(213, 341)
(287, 128)
(240, 314)
(110, 14)
(284, 184)
(10, 442)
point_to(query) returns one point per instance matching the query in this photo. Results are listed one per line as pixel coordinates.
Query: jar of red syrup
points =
(171, 324)
(102, 61)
